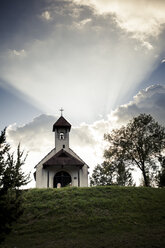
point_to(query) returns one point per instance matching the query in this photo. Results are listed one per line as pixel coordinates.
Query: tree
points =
(140, 143)
(122, 175)
(101, 176)
(115, 173)
(160, 177)
(4, 148)
(11, 179)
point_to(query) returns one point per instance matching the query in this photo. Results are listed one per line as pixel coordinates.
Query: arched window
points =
(61, 136)
(63, 178)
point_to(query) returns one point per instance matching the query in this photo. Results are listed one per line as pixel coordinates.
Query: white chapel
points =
(61, 166)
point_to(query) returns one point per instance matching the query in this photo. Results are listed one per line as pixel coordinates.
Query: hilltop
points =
(98, 217)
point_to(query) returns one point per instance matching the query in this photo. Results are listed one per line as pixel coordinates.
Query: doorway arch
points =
(63, 178)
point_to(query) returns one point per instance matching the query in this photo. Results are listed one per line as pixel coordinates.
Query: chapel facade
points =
(62, 166)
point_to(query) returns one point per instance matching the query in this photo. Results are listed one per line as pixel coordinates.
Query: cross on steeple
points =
(61, 111)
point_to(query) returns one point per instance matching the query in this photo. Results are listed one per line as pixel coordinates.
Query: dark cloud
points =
(34, 136)
(76, 52)
(150, 101)
(37, 134)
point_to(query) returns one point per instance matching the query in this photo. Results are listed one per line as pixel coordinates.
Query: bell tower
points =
(61, 128)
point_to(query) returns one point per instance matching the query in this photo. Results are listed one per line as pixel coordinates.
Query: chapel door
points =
(63, 178)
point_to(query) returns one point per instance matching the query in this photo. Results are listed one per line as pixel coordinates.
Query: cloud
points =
(72, 63)
(141, 18)
(34, 136)
(147, 45)
(150, 101)
(80, 60)
(46, 15)
(82, 23)
(86, 139)
(18, 52)
(37, 135)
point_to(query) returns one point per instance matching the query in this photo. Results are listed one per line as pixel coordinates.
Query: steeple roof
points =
(61, 122)
(63, 158)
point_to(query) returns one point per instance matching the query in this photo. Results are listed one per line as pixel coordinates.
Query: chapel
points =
(61, 166)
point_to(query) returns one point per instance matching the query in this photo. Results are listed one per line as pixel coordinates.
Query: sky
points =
(103, 61)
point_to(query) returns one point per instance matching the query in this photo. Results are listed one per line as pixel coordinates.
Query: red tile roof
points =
(61, 122)
(63, 158)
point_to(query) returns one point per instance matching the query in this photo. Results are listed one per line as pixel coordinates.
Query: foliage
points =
(161, 174)
(11, 178)
(115, 173)
(100, 176)
(139, 143)
(4, 149)
(122, 175)
(108, 216)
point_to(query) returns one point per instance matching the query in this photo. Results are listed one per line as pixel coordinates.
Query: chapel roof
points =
(63, 158)
(61, 122)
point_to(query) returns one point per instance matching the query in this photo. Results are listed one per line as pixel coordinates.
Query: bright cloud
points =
(46, 15)
(78, 66)
(17, 53)
(141, 18)
(82, 23)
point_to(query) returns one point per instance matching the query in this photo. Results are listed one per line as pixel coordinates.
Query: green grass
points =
(98, 217)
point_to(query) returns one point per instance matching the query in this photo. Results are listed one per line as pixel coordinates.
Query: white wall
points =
(60, 142)
(42, 174)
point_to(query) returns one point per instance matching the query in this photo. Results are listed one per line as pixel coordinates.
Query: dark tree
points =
(139, 143)
(4, 149)
(101, 176)
(11, 179)
(160, 177)
(115, 173)
(122, 175)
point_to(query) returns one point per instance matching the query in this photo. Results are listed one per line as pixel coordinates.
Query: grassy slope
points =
(91, 217)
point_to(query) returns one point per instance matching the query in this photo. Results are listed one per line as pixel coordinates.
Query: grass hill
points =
(98, 217)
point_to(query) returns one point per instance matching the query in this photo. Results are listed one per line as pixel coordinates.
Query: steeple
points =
(61, 128)
(61, 123)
